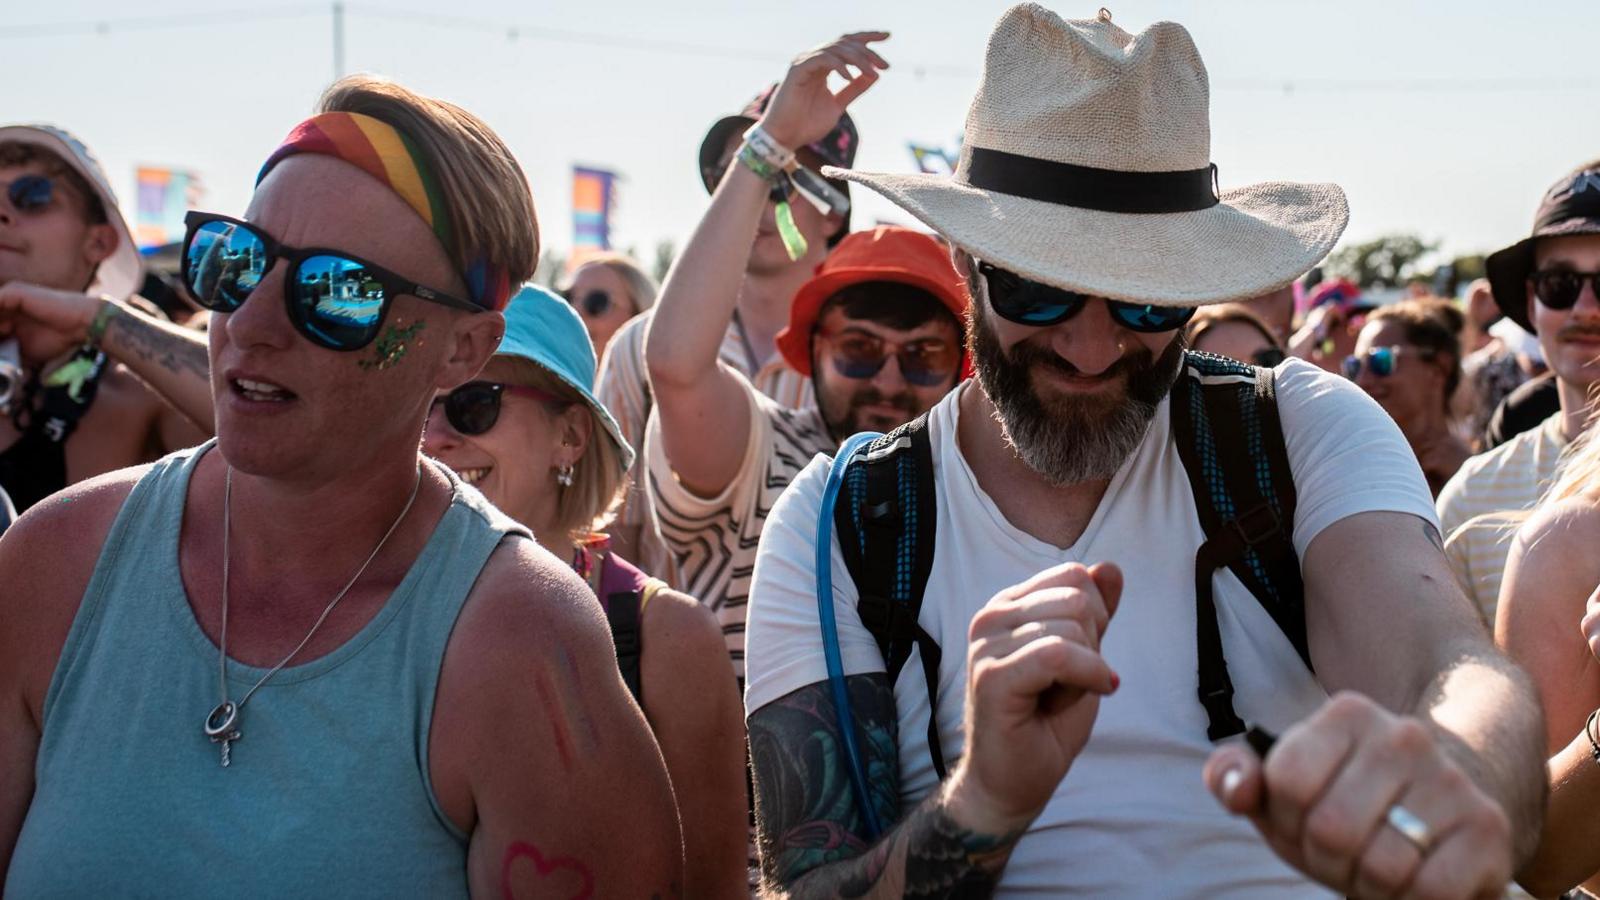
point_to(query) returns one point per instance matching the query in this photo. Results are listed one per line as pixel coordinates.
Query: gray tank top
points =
(328, 793)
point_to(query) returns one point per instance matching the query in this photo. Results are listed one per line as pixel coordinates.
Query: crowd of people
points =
(1083, 539)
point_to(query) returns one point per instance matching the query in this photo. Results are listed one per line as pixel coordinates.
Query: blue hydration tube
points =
(830, 628)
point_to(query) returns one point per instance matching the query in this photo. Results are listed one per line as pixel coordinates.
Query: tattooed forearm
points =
(811, 830)
(174, 349)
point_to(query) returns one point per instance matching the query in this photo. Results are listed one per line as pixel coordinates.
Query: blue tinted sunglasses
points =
(336, 300)
(1381, 360)
(30, 193)
(1031, 303)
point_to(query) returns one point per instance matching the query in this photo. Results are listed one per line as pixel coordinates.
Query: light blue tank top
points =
(328, 793)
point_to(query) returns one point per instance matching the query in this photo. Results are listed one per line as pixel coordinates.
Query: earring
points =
(564, 475)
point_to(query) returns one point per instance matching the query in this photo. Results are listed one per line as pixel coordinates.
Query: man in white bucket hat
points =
(93, 372)
(940, 703)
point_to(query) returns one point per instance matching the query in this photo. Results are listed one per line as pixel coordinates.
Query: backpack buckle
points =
(1258, 525)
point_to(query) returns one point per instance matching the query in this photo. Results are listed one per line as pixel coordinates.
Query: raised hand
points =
(1366, 802)
(805, 109)
(1034, 682)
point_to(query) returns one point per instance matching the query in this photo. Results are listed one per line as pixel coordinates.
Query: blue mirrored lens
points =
(1381, 360)
(30, 193)
(1032, 303)
(1351, 367)
(1146, 317)
(223, 263)
(339, 302)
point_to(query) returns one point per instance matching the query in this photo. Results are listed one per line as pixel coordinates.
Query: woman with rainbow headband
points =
(303, 659)
(531, 435)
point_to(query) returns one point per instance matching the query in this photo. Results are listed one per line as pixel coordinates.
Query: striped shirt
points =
(624, 389)
(1481, 507)
(714, 538)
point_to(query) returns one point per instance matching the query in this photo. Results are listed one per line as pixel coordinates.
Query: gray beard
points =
(1068, 441)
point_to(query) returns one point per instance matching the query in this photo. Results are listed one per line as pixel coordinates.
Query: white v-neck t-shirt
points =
(1132, 817)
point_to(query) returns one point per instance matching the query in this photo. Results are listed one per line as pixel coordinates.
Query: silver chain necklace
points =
(222, 725)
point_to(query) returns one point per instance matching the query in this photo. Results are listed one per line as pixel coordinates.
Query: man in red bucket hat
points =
(878, 330)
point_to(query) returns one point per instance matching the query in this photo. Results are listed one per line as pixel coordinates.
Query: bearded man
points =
(1083, 759)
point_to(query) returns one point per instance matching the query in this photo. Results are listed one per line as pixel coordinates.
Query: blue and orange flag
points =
(593, 192)
(164, 195)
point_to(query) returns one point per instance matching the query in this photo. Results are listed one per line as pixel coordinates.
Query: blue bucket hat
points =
(545, 330)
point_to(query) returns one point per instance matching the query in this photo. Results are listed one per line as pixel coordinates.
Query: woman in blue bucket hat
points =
(531, 436)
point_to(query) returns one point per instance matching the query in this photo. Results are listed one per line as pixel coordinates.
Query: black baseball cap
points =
(837, 147)
(1571, 206)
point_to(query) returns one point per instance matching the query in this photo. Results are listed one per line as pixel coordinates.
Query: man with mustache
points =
(1546, 283)
(1054, 729)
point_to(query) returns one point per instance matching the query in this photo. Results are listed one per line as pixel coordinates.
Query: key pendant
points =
(222, 727)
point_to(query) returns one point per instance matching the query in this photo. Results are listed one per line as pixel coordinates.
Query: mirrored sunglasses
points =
(336, 300)
(30, 193)
(1026, 302)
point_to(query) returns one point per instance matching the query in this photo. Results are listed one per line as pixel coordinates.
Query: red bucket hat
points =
(886, 253)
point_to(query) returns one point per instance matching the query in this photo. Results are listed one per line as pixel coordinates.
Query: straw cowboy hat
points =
(1086, 164)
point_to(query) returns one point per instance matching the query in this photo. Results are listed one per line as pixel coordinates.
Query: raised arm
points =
(1551, 572)
(171, 359)
(1428, 716)
(704, 419)
(539, 752)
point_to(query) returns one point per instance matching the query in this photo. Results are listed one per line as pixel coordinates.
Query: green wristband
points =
(102, 321)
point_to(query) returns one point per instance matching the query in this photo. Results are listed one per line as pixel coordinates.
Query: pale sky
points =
(1447, 120)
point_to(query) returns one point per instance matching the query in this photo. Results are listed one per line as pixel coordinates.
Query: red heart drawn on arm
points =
(547, 875)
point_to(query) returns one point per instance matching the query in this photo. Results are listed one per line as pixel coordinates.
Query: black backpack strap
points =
(622, 611)
(1226, 427)
(885, 520)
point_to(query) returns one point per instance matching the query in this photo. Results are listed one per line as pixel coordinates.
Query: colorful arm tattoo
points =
(810, 830)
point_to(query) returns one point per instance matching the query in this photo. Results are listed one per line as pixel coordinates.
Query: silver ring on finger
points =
(1411, 827)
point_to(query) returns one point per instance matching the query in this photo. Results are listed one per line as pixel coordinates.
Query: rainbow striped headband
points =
(385, 153)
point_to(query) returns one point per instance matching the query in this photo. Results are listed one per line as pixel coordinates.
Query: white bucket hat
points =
(1086, 164)
(121, 273)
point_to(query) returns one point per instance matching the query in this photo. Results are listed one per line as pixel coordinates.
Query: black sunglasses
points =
(336, 300)
(594, 303)
(30, 193)
(1559, 289)
(1031, 303)
(474, 407)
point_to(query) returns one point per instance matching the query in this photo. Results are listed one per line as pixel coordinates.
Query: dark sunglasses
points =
(1031, 303)
(1560, 289)
(925, 363)
(593, 303)
(474, 407)
(30, 193)
(336, 300)
(1381, 360)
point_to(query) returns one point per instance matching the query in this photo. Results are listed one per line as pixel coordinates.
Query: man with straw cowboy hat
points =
(1082, 758)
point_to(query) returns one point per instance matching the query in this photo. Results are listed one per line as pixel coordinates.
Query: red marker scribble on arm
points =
(556, 712)
(546, 875)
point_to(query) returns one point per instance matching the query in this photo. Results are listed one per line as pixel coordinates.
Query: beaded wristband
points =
(102, 320)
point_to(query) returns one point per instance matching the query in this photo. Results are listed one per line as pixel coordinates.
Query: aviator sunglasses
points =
(925, 362)
(30, 193)
(1031, 303)
(1559, 289)
(336, 300)
(474, 407)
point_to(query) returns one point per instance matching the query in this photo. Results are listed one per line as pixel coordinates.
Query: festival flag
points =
(164, 195)
(933, 160)
(593, 191)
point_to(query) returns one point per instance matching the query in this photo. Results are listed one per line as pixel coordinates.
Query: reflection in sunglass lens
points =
(1149, 318)
(338, 301)
(30, 193)
(222, 264)
(473, 408)
(1379, 359)
(1028, 302)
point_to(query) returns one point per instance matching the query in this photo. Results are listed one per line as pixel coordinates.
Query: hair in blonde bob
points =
(485, 192)
(599, 479)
